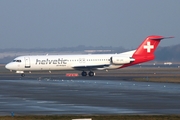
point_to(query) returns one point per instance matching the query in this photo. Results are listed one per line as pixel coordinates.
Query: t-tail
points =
(145, 52)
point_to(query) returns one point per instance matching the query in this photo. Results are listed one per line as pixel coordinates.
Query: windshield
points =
(16, 60)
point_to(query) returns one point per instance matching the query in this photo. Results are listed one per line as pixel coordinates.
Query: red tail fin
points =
(145, 52)
(148, 46)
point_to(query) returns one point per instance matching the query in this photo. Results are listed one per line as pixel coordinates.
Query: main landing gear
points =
(85, 73)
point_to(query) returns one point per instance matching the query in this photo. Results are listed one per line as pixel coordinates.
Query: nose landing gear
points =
(22, 75)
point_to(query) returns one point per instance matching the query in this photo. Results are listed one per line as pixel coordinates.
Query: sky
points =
(70, 23)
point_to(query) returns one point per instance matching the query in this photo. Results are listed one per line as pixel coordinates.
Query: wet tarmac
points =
(90, 96)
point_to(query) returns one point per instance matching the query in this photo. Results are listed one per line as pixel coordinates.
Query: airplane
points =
(88, 62)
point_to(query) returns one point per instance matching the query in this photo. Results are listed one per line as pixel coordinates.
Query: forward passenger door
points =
(27, 62)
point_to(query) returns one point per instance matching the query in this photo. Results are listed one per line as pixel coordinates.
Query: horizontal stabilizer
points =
(160, 38)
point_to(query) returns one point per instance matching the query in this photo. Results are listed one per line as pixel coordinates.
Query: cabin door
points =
(27, 62)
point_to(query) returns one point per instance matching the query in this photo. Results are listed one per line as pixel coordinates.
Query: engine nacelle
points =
(121, 60)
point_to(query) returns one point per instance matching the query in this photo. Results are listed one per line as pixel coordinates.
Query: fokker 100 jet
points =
(90, 62)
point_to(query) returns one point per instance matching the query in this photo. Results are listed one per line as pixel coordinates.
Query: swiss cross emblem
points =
(148, 47)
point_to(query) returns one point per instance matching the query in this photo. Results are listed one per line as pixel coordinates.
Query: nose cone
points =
(8, 66)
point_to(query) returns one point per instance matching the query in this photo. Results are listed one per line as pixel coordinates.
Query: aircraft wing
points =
(90, 66)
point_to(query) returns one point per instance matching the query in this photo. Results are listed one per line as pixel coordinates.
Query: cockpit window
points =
(16, 60)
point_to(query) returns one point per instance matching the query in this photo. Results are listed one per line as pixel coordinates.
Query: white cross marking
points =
(148, 47)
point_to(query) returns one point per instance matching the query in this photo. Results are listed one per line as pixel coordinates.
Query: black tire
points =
(22, 75)
(84, 73)
(91, 73)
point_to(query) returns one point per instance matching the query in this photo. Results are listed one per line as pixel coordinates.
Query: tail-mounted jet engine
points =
(121, 60)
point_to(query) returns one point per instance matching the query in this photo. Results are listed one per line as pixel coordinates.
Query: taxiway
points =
(58, 96)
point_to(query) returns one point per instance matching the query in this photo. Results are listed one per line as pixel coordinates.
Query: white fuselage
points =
(66, 62)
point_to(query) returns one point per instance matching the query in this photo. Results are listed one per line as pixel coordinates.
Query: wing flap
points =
(90, 67)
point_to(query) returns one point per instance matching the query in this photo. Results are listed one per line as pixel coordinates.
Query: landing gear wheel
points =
(22, 75)
(91, 73)
(84, 73)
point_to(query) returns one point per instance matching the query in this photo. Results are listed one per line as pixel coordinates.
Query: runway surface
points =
(49, 97)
